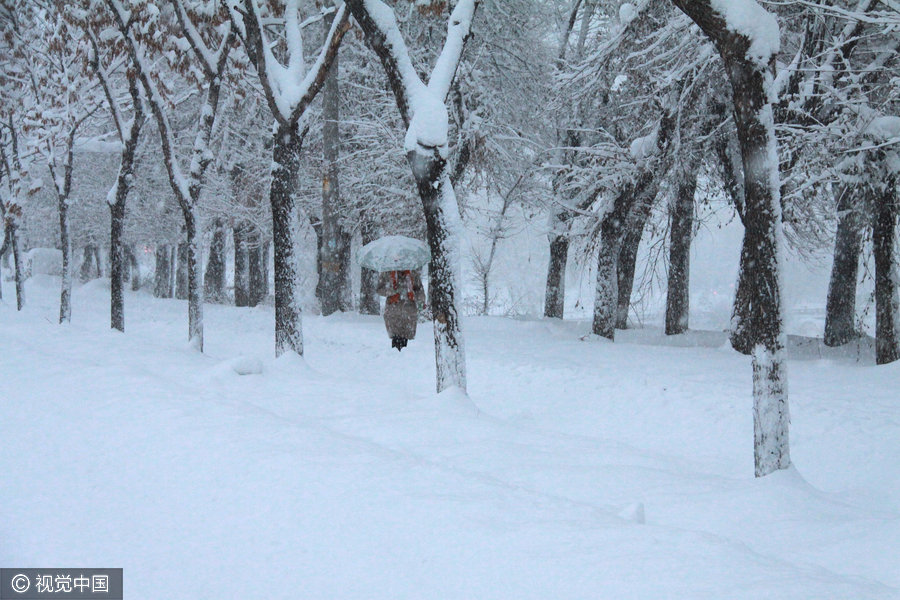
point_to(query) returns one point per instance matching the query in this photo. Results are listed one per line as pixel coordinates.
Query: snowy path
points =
(343, 476)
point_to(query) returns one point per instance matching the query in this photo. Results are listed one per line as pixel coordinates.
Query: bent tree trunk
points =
(751, 83)
(288, 143)
(840, 307)
(680, 231)
(441, 223)
(887, 304)
(627, 261)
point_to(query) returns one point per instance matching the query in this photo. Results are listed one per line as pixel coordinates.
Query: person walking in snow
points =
(404, 293)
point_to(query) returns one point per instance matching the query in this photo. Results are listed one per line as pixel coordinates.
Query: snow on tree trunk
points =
(117, 265)
(241, 264)
(424, 111)
(369, 303)
(214, 277)
(612, 230)
(286, 164)
(334, 264)
(257, 272)
(681, 229)
(627, 261)
(840, 307)
(65, 296)
(12, 229)
(887, 312)
(181, 271)
(555, 295)
(747, 38)
(606, 293)
(162, 287)
(442, 225)
(195, 285)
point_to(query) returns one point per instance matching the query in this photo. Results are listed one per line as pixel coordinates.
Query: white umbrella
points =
(394, 253)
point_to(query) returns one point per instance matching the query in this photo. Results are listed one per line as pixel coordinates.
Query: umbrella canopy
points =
(394, 253)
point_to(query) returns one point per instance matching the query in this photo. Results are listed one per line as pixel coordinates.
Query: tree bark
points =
(681, 230)
(887, 304)
(288, 143)
(214, 278)
(627, 261)
(241, 264)
(369, 303)
(258, 275)
(134, 268)
(12, 238)
(87, 263)
(438, 202)
(751, 83)
(840, 307)
(195, 285)
(162, 287)
(117, 263)
(555, 295)
(65, 296)
(181, 272)
(333, 258)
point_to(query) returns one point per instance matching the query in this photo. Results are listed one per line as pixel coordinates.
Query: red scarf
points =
(394, 299)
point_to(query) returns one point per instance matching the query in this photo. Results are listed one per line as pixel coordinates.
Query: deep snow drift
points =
(574, 469)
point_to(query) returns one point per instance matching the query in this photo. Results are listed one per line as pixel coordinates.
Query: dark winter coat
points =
(404, 292)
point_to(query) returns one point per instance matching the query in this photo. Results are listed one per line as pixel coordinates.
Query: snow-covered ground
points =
(574, 469)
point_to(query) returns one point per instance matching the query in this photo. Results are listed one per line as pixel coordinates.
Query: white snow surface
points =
(748, 18)
(572, 470)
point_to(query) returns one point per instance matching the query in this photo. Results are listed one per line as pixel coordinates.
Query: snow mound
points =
(456, 401)
(240, 365)
(44, 261)
(634, 512)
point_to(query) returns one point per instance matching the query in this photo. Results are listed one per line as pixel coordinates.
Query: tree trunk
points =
(741, 332)
(752, 83)
(195, 284)
(117, 265)
(840, 308)
(680, 231)
(134, 267)
(87, 263)
(369, 303)
(258, 277)
(65, 296)
(606, 294)
(288, 316)
(333, 255)
(612, 229)
(441, 223)
(162, 287)
(887, 305)
(19, 265)
(627, 261)
(241, 265)
(181, 271)
(555, 296)
(214, 278)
